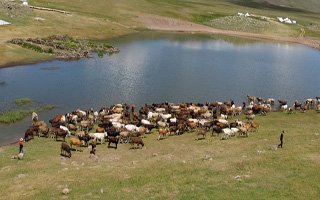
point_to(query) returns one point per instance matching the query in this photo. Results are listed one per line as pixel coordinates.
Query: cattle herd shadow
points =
(74, 149)
(112, 147)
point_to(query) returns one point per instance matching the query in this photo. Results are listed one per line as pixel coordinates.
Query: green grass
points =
(23, 101)
(175, 168)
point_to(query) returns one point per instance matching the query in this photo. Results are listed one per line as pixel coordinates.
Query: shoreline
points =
(159, 23)
(19, 63)
(3, 147)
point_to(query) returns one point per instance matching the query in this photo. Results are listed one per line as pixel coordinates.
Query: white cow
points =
(224, 116)
(131, 127)
(203, 121)
(223, 121)
(152, 115)
(99, 136)
(65, 129)
(160, 110)
(165, 117)
(234, 131)
(173, 120)
(227, 132)
(162, 124)
(193, 120)
(145, 122)
(117, 125)
(284, 107)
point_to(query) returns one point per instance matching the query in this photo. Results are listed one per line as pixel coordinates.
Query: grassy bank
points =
(100, 19)
(178, 167)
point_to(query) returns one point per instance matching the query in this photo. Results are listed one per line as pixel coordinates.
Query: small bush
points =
(50, 50)
(32, 46)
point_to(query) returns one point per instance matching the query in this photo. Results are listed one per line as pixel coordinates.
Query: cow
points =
(136, 140)
(114, 140)
(65, 148)
(75, 142)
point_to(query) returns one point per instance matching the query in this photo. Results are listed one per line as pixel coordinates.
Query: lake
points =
(156, 67)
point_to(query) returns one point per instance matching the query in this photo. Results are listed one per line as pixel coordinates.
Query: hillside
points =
(101, 19)
(309, 5)
(177, 167)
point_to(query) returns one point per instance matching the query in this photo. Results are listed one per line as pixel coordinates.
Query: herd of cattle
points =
(121, 123)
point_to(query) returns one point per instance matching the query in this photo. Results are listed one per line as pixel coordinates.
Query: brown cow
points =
(72, 127)
(28, 135)
(201, 132)
(100, 130)
(57, 132)
(192, 125)
(136, 140)
(251, 98)
(243, 132)
(255, 125)
(216, 129)
(65, 148)
(75, 142)
(163, 132)
(143, 131)
(58, 120)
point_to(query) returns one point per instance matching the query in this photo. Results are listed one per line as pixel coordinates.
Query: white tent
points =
(25, 3)
(4, 23)
(280, 19)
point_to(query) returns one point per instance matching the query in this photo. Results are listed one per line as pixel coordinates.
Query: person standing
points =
(21, 145)
(281, 139)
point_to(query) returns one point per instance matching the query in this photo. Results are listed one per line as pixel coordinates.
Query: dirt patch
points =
(315, 158)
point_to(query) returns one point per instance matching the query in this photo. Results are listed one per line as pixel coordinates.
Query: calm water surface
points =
(154, 67)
